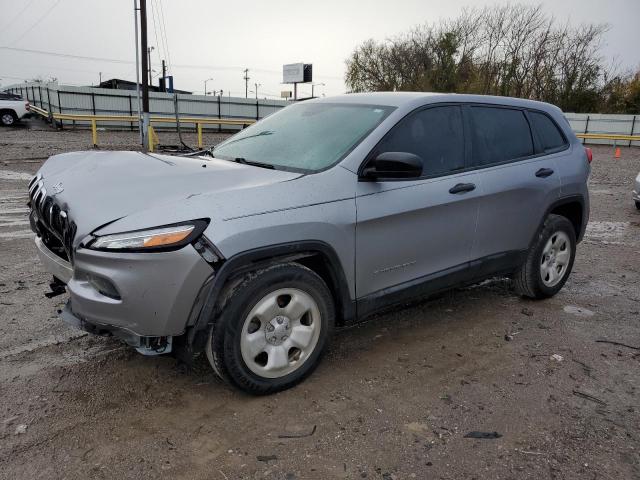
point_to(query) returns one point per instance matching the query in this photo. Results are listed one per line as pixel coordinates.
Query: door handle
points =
(544, 172)
(462, 188)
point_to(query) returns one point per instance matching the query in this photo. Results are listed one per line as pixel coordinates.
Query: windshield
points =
(306, 137)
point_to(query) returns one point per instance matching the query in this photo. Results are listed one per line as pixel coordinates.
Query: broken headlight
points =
(167, 237)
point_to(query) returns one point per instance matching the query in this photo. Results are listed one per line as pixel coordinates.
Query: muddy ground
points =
(393, 399)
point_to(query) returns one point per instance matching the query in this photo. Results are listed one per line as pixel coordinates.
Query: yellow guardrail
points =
(608, 136)
(200, 121)
(38, 110)
(153, 137)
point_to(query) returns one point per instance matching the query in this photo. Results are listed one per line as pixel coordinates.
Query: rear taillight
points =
(589, 153)
(27, 106)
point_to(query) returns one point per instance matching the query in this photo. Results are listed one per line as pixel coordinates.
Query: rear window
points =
(548, 133)
(500, 135)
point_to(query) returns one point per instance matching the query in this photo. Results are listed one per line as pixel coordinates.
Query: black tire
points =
(637, 205)
(224, 343)
(8, 118)
(528, 279)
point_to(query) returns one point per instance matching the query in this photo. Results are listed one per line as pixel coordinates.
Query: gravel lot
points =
(393, 399)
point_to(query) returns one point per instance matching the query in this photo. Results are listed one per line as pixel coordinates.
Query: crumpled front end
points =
(135, 296)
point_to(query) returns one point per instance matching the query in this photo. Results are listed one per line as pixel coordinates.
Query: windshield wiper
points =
(244, 161)
(261, 134)
(198, 153)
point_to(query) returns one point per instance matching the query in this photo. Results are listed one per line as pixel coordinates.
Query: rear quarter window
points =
(499, 135)
(548, 132)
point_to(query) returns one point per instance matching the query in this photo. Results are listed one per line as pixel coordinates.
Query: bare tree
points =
(516, 50)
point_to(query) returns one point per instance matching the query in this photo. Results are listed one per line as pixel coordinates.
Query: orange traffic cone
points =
(617, 154)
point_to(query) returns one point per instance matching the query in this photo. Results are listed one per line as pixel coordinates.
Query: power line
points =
(24, 34)
(155, 31)
(12, 21)
(156, 13)
(40, 66)
(129, 62)
(166, 39)
(66, 55)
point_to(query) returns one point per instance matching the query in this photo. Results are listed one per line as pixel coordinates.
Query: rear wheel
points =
(549, 260)
(272, 330)
(8, 118)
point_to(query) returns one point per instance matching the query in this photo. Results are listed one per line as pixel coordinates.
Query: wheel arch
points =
(318, 256)
(571, 207)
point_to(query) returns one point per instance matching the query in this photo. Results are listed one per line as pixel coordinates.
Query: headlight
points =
(169, 237)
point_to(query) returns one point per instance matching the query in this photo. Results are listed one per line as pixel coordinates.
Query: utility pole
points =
(149, 50)
(145, 69)
(135, 19)
(164, 76)
(100, 73)
(246, 83)
(257, 85)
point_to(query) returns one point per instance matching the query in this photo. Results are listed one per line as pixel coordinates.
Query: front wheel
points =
(549, 260)
(272, 330)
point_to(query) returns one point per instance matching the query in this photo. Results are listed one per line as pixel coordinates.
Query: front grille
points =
(50, 222)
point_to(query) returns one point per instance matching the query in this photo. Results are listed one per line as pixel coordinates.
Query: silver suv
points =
(314, 217)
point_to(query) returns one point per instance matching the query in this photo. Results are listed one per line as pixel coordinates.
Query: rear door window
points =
(434, 134)
(499, 135)
(550, 136)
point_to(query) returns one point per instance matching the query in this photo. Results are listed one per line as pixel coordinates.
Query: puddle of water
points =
(12, 211)
(13, 223)
(17, 234)
(11, 175)
(11, 198)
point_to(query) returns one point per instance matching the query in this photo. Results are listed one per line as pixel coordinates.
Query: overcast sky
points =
(206, 38)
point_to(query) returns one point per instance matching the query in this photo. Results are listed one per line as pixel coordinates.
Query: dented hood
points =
(96, 188)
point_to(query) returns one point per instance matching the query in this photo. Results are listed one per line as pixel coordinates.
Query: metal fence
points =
(102, 101)
(607, 124)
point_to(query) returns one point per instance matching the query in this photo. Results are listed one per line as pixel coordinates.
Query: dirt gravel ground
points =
(393, 399)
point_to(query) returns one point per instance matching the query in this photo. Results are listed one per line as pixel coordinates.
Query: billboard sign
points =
(293, 73)
(297, 73)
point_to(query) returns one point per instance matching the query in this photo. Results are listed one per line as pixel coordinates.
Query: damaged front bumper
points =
(144, 345)
(58, 267)
(143, 298)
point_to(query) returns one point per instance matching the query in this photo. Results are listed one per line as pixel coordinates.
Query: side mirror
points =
(393, 165)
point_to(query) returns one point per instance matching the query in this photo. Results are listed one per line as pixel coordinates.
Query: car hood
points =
(97, 188)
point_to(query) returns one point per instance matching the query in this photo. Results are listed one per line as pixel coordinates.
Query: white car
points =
(12, 109)
(636, 192)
